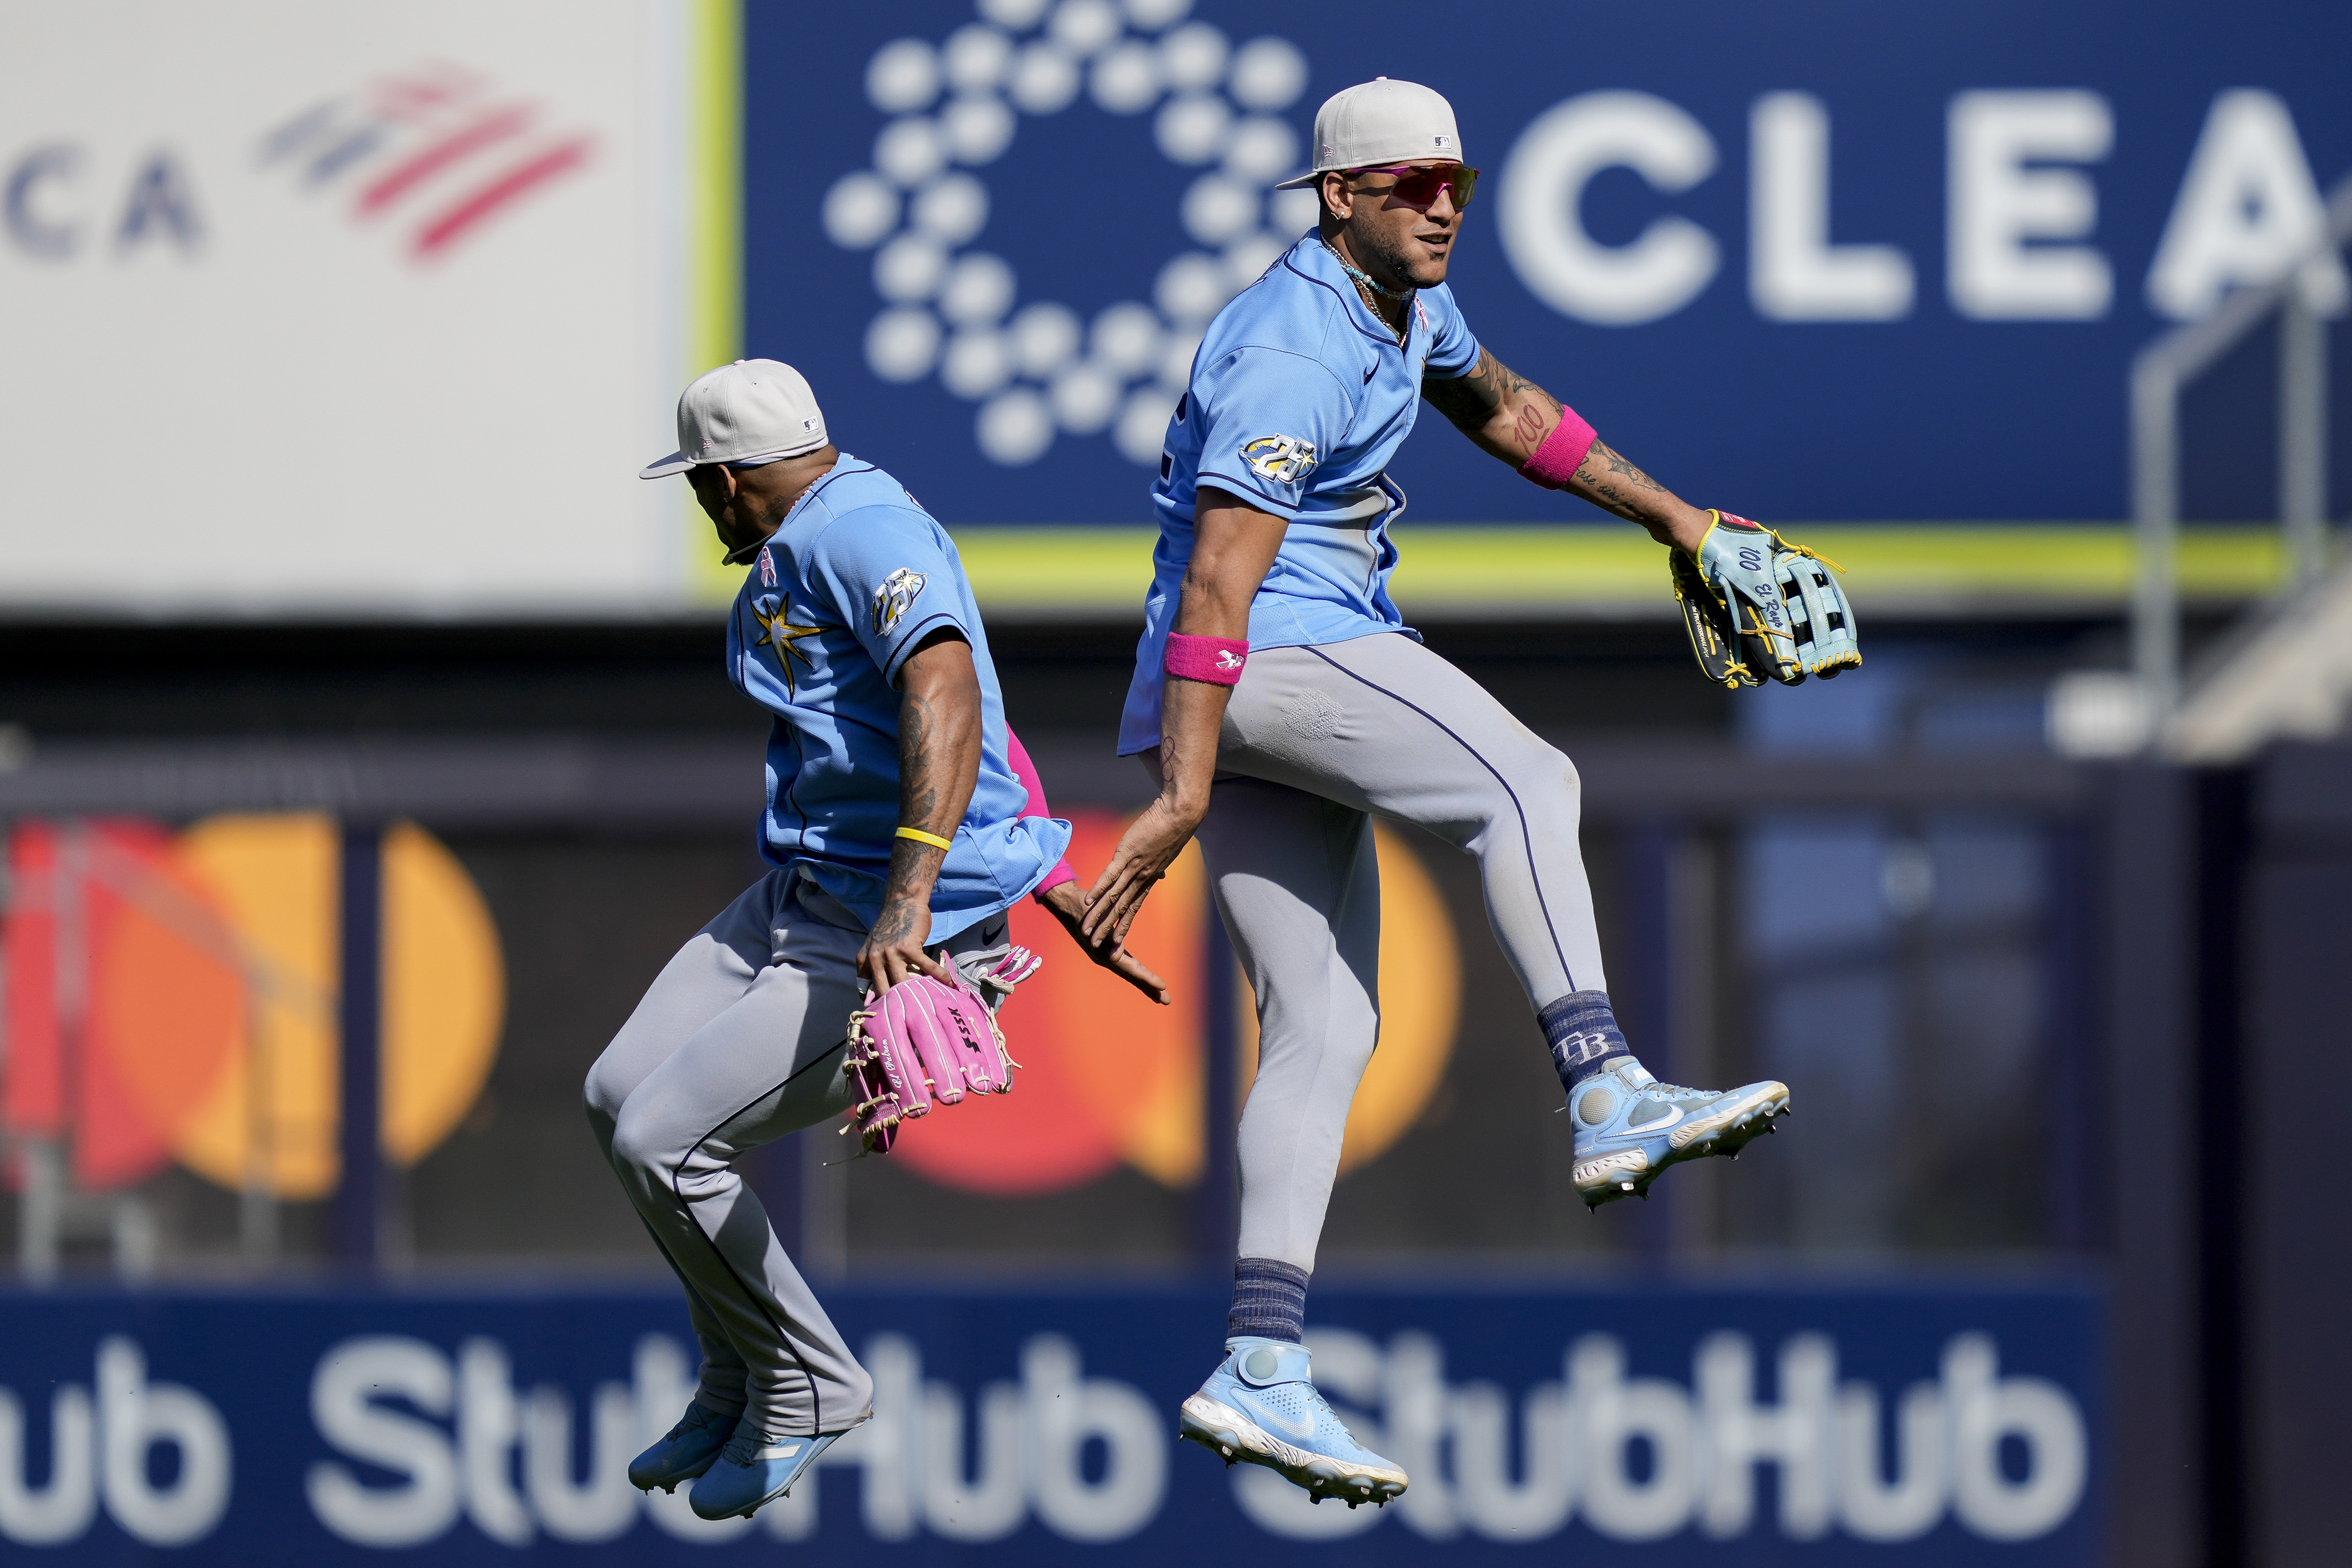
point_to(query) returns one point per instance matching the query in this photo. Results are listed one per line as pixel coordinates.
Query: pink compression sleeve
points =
(1563, 453)
(1017, 754)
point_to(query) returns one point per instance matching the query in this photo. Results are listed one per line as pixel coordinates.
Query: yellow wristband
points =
(933, 839)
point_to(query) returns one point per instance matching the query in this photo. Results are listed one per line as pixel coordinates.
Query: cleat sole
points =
(1236, 1437)
(1729, 1127)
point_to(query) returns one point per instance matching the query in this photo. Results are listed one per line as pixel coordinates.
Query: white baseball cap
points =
(1381, 122)
(755, 410)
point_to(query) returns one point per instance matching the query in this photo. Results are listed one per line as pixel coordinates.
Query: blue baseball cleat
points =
(684, 1453)
(1630, 1127)
(751, 1472)
(1260, 1406)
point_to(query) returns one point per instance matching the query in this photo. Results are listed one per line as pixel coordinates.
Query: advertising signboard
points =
(360, 308)
(1813, 261)
(1036, 1426)
(375, 311)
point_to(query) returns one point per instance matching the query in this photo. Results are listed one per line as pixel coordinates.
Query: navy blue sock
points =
(1583, 1036)
(1269, 1300)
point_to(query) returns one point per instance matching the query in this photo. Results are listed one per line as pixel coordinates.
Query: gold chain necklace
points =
(1366, 288)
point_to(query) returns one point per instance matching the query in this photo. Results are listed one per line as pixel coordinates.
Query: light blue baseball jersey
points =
(1299, 396)
(856, 575)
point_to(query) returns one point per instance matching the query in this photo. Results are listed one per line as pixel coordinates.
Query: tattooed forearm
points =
(899, 915)
(1608, 480)
(918, 792)
(1617, 466)
(914, 866)
(938, 764)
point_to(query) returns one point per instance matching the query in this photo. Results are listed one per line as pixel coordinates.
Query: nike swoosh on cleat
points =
(1301, 1429)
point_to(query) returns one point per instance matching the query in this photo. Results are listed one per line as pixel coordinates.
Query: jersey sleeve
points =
(1269, 417)
(891, 579)
(1453, 350)
(1016, 756)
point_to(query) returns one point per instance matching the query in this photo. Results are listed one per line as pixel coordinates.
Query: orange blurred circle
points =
(1107, 1073)
(1110, 1075)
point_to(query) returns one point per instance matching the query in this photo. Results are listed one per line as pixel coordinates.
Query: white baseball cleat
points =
(1261, 1406)
(1630, 1127)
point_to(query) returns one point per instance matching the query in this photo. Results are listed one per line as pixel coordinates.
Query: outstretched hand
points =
(1069, 906)
(1146, 850)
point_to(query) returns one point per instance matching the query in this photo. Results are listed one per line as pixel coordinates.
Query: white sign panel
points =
(343, 309)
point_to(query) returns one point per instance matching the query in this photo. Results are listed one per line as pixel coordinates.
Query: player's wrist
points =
(1182, 803)
(906, 910)
(1686, 529)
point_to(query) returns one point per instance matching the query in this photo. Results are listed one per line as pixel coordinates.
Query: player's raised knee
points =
(605, 1090)
(1570, 781)
(640, 1147)
(1544, 779)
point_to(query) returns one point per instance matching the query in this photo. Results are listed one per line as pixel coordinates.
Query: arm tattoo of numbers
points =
(1531, 426)
(1471, 400)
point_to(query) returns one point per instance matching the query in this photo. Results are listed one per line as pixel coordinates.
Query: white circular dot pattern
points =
(1036, 368)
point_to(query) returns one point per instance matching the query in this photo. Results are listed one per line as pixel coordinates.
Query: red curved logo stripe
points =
(508, 188)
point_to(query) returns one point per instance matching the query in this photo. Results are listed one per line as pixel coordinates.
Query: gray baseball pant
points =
(1317, 740)
(737, 1042)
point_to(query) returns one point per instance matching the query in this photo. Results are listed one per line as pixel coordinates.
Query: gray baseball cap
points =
(1381, 122)
(753, 411)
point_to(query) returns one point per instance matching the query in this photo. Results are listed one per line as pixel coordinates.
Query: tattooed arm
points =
(1510, 417)
(939, 764)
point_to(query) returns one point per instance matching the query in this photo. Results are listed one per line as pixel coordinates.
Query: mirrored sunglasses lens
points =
(1418, 187)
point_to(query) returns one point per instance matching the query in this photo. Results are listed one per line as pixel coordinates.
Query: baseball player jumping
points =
(1282, 702)
(902, 820)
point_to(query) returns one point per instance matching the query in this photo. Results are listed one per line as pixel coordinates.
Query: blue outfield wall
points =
(1813, 261)
(1950, 1423)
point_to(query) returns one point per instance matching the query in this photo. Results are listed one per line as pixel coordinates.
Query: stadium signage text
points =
(420, 1442)
(2022, 208)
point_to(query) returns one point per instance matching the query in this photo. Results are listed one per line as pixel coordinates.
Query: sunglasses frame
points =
(1462, 179)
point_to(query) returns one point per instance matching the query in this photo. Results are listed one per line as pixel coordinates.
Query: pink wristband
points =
(1562, 452)
(1217, 660)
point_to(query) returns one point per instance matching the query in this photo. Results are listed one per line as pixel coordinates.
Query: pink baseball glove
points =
(923, 1042)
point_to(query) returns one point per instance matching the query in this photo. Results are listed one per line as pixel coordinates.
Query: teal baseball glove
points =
(1756, 604)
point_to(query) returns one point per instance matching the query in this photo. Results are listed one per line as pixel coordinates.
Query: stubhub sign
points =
(1037, 1426)
(1821, 263)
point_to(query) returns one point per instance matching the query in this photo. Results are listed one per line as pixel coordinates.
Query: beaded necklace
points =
(1368, 289)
